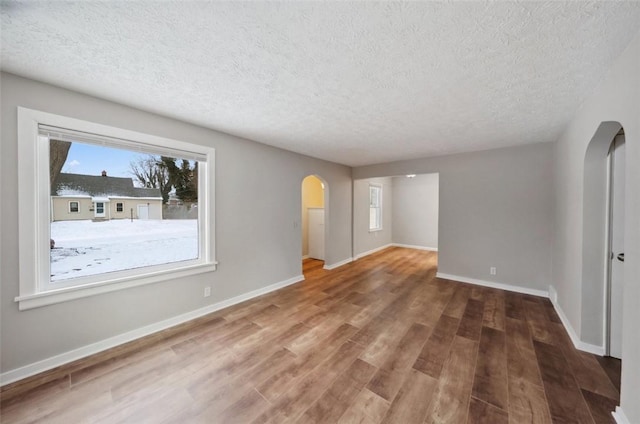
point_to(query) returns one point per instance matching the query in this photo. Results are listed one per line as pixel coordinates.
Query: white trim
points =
(73, 355)
(413, 246)
(501, 286)
(305, 257)
(369, 252)
(620, 416)
(338, 264)
(161, 273)
(579, 344)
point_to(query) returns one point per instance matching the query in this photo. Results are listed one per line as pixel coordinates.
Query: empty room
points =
(317, 211)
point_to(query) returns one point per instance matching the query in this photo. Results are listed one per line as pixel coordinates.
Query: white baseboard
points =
(305, 257)
(501, 286)
(337, 264)
(551, 294)
(369, 252)
(413, 246)
(579, 344)
(620, 416)
(73, 355)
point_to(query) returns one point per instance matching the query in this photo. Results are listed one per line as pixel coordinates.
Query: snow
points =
(67, 192)
(89, 248)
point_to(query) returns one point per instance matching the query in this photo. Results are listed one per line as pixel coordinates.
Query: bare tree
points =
(58, 152)
(149, 173)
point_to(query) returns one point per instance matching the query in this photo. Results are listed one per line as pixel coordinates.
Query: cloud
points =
(73, 163)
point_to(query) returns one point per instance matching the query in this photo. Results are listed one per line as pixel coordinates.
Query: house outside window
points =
(96, 251)
(375, 207)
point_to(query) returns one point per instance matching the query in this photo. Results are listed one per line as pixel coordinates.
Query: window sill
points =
(375, 230)
(51, 297)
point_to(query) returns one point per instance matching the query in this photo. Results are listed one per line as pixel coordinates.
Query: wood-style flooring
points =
(380, 340)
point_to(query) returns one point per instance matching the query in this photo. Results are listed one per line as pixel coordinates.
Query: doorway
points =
(143, 211)
(615, 248)
(313, 222)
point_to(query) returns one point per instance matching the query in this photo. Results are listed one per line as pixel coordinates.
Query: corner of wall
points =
(579, 344)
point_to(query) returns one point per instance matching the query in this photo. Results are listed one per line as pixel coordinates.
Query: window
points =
(375, 207)
(94, 251)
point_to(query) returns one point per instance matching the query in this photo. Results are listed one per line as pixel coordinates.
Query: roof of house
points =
(99, 186)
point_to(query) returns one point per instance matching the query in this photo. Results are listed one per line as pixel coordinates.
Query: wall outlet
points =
(492, 270)
(207, 291)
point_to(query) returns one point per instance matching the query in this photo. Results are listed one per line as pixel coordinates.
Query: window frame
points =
(121, 206)
(77, 206)
(34, 206)
(379, 190)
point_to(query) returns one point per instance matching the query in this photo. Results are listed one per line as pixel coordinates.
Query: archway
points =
(596, 254)
(314, 221)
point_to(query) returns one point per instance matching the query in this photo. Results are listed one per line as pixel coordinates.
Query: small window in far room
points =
(74, 207)
(375, 207)
(119, 207)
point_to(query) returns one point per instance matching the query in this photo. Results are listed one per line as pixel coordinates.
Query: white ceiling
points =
(351, 82)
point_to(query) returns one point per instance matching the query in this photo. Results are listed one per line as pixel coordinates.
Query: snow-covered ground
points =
(89, 248)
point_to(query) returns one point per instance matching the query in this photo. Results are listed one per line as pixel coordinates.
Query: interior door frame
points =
(608, 297)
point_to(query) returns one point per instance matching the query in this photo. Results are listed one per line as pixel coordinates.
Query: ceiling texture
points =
(351, 82)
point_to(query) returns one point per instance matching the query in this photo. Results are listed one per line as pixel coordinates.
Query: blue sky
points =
(89, 159)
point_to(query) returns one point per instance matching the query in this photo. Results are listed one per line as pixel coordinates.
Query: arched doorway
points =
(603, 229)
(313, 219)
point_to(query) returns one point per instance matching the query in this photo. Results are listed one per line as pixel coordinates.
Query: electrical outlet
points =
(492, 270)
(207, 291)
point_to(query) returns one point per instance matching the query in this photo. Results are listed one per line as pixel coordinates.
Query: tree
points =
(183, 178)
(58, 152)
(150, 172)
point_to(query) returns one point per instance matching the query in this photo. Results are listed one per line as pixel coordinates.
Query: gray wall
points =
(496, 209)
(415, 210)
(616, 99)
(251, 254)
(363, 240)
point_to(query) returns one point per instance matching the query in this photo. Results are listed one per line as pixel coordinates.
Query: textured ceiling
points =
(352, 82)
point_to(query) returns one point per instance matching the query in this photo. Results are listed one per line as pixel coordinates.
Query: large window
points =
(118, 184)
(375, 207)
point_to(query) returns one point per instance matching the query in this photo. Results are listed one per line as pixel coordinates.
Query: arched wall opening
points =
(314, 217)
(595, 259)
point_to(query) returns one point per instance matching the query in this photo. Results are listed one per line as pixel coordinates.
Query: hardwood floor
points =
(381, 340)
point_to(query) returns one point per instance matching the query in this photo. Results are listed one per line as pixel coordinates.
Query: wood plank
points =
(389, 378)
(337, 398)
(367, 408)
(600, 406)
(471, 322)
(413, 400)
(584, 366)
(451, 401)
(436, 349)
(483, 413)
(491, 383)
(527, 403)
(521, 357)
(563, 394)
(513, 306)
(456, 306)
(494, 310)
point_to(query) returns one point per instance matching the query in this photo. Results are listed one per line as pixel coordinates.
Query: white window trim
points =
(121, 205)
(34, 208)
(74, 201)
(379, 186)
